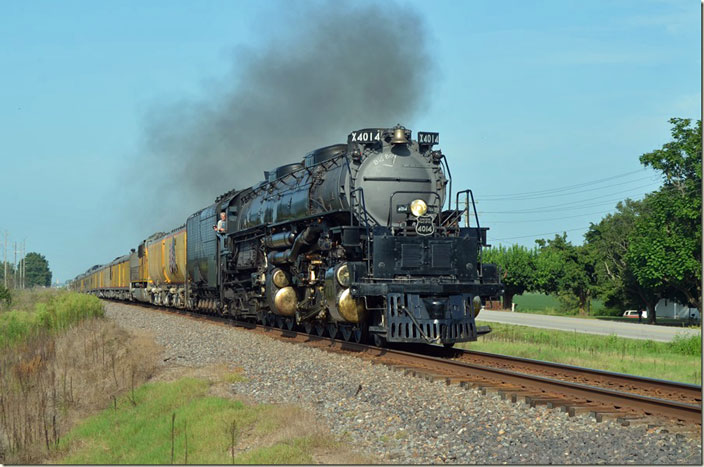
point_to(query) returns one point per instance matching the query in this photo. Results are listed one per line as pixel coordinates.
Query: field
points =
(75, 388)
(679, 360)
(184, 421)
(531, 302)
(542, 304)
(72, 390)
(59, 360)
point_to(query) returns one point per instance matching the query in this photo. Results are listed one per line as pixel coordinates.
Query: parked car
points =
(634, 314)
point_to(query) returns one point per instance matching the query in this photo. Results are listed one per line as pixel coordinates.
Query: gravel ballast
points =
(403, 419)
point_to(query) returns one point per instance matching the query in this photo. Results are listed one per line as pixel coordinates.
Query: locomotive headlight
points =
(343, 275)
(418, 207)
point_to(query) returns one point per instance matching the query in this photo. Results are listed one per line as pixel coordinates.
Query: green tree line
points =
(37, 272)
(646, 250)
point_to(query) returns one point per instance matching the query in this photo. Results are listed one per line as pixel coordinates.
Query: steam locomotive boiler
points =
(356, 240)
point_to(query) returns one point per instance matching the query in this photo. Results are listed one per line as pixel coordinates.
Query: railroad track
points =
(575, 390)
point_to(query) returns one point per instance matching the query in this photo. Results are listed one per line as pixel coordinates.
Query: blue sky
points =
(527, 97)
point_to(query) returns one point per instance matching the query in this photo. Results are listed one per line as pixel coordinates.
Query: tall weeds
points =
(56, 362)
(57, 314)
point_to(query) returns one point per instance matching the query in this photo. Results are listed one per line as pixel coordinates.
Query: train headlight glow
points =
(418, 207)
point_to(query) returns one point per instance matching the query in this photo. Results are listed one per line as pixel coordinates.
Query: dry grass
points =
(25, 300)
(50, 381)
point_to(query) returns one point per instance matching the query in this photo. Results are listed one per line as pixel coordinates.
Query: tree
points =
(565, 268)
(5, 295)
(37, 269)
(549, 267)
(517, 269)
(680, 160)
(10, 273)
(665, 251)
(610, 241)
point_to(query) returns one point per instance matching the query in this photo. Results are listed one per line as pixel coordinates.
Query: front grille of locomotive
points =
(396, 256)
(401, 327)
(407, 331)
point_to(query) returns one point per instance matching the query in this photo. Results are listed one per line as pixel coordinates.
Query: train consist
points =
(357, 240)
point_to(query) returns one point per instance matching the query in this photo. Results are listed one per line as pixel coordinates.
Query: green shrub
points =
(684, 345)
(58, 313)
(5, 296)
(569, 303)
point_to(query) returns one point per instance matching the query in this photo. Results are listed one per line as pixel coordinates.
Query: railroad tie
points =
(450, 380)
(535, 401)
(626, 420)
(573, 410)
(600, 414)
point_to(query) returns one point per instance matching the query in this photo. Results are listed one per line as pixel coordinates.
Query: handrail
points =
(449, 178)
(468, 193)
(366, 223)
(355, 207)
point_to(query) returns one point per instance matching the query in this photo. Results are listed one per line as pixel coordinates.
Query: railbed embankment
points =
(398, 418)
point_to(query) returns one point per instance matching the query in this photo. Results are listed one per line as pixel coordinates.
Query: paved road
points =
(588, 326)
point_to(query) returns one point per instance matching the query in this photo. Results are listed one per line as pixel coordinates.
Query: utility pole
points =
(22, 268)
(19, 267)
(14, 276)
(5, 259)
(24, 264)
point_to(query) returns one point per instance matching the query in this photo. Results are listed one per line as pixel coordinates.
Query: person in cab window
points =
(222, 223)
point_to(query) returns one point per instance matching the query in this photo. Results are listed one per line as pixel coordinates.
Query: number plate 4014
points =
(365, 136)
(425, 226)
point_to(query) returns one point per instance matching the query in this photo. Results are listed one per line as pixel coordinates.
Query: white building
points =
(670, 309)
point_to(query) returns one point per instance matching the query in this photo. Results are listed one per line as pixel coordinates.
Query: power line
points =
(551, 195)
(546, 220)
(566, 187)
(576, 204)
(538, 235)
(556, 207)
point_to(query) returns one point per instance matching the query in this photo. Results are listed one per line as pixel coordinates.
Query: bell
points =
(399, 136)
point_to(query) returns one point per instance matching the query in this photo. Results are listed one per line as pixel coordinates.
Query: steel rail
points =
(688, 391)
(588, 393)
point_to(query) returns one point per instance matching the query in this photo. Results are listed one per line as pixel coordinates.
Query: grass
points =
(534, 302)
(531, 302)
(538, 303)
(680, 323)
(48, 312)
(206, 430)
(235, 376)
(679, 360)
(59, 361)
(26, 299)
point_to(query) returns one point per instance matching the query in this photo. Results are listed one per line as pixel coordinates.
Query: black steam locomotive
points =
(356, 240)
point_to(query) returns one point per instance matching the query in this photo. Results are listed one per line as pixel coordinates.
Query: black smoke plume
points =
(337, 69)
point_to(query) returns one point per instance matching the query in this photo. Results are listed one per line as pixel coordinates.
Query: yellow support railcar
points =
(166, 265)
